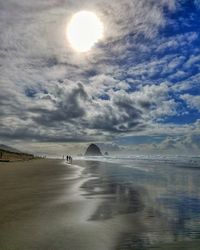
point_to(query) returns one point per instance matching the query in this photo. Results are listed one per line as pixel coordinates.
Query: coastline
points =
(11, 160)
(42, 206)
(48, 204)
(10, 156)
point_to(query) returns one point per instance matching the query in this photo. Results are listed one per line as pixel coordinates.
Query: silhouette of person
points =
(70, 160)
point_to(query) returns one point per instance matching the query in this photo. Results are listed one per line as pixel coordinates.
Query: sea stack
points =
(93, 150)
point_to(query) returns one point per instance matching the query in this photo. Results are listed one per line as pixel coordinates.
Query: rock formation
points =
(93, 150)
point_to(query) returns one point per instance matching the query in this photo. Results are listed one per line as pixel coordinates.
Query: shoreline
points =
(43, 206)
(48, 204)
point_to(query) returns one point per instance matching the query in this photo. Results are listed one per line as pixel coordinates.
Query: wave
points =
(175, 160)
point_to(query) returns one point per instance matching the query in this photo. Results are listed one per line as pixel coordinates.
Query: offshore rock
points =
(93, 150)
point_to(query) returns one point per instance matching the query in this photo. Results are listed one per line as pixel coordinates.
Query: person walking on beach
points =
(70, 160)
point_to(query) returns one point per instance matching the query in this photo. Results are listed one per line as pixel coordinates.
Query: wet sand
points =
(43, 207)
(40, 205)
(46, 204)
(152, 204)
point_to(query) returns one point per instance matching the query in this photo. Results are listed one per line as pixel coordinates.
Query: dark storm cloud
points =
(70, 105)
(36, 135)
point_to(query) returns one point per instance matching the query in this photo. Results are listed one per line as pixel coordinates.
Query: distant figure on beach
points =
(70, 159)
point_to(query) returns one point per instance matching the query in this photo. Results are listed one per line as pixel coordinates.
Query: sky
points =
(136, 91)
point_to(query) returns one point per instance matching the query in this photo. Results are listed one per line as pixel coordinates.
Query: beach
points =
(100, 204)
(41, 207)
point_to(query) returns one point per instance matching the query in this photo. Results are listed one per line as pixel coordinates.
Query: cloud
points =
(130, 83)
(69, 104)
(189, 144)
(192, 101)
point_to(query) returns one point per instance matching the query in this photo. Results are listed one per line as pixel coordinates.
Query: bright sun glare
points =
(84, 30)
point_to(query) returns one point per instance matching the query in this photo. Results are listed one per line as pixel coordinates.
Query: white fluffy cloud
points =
(192, 101)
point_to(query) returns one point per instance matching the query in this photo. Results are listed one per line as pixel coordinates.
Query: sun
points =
(84, 30)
